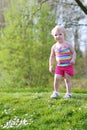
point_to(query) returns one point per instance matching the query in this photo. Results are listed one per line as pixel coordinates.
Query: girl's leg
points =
(56, 82)
(56, 86)
(68, 83)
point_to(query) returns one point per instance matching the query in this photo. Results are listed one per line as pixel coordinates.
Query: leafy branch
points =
(81, 6)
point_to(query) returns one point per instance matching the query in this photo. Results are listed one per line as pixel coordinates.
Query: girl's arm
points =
(73, 54)
(51, 60)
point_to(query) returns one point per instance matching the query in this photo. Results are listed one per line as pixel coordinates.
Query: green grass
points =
(33, 109)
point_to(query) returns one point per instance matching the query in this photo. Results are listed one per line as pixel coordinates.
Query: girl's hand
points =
(51, 69)
(72, 61)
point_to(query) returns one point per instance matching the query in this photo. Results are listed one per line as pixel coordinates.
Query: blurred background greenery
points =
(25, 41)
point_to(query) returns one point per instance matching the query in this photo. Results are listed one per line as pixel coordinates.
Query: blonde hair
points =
(58, 28)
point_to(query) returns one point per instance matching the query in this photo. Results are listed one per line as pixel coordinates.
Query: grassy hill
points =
(33, 109)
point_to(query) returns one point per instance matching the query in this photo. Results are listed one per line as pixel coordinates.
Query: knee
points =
(57, 77)
(67, 79)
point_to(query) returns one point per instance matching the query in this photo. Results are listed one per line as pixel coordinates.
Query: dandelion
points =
(84, 106)
(26, 115)
(79, 108)
(15, 123)
(5, 111)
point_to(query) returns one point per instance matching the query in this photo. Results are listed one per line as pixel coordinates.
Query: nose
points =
(58, 36)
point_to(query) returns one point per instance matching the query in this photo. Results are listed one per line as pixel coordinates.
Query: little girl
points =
(65, 59)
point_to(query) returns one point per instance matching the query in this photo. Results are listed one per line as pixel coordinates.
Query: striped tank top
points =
(63, 56)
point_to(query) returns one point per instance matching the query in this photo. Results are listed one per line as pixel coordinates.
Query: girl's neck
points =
(62, 42)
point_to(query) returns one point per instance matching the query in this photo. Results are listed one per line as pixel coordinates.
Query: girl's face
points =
(59, 36)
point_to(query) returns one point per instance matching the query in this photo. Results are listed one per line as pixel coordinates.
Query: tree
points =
(26, 44)
(81, 6)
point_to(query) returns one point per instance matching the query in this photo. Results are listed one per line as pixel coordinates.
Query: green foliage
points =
(26, 43)
(79, 65)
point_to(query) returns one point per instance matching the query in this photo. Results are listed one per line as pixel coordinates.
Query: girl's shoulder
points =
(67, 43)
(54, 46)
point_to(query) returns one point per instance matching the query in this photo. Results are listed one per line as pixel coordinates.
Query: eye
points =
(60, 34)
(55, 34)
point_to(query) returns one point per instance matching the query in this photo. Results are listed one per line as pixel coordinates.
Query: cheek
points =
(55, 38)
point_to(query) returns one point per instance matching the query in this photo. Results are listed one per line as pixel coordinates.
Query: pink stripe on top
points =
(63, 56)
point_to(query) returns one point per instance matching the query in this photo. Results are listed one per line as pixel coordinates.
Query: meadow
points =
(33, 109)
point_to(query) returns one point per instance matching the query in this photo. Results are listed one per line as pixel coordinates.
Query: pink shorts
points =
(66, 69)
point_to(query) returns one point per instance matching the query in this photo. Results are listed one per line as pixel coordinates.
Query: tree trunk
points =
(3, 5)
